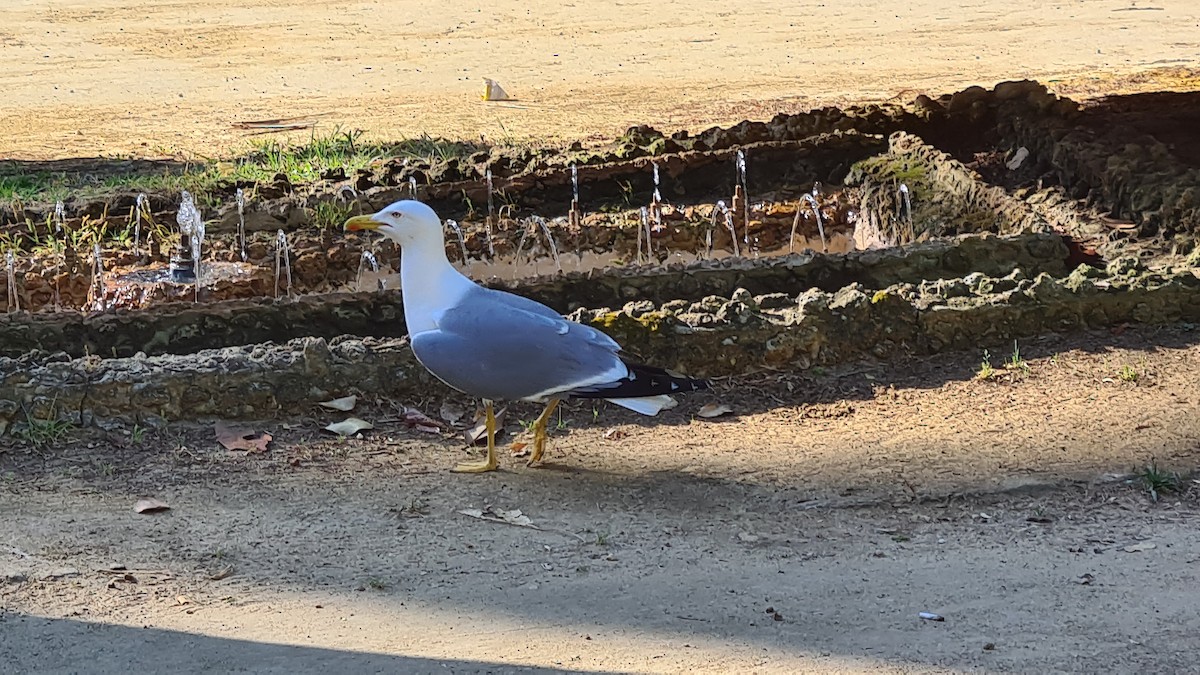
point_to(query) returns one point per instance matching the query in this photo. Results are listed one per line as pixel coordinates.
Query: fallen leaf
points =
(224, 573)
(416, 418)
(519, 450)
(150, 505)
(451, 413)
(349, 426)
(515, 517)
(1138, 548)
(478, 432)
(344, 404)
(714, 410)
(241, 439)
(426, 429)
(613, 434)
(511, 517)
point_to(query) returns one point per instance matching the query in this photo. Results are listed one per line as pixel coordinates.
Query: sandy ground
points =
(845, 504)
(157, 77)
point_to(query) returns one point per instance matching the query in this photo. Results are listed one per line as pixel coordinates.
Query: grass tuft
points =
(1157, 481)
(299, 163)
(1016, 363)
(42, 432)
(986, 371)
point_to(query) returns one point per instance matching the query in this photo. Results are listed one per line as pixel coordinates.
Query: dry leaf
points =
(515, 517)
(478, 432)
(613, 434)
(714, 410)
(349, 426)
(519, 450)
(1138, 548)
(241, 439)
(343, 404)
(451, 413)
(416, 418)
(426, 429)
(150, 505)
(224, 573)
(512, 517)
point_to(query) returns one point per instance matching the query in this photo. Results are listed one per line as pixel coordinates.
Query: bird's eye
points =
(396, 214)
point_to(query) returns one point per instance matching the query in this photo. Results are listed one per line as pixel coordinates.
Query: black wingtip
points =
(646, 380)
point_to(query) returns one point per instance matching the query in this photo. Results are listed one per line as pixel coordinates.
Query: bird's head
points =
(404, 222)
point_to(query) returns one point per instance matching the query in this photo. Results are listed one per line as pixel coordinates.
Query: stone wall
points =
(181, 328)
(713, 336)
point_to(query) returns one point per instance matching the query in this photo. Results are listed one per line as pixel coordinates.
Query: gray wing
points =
(523, 303)
(505, 349)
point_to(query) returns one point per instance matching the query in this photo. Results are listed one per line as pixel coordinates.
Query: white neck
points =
(429, 283)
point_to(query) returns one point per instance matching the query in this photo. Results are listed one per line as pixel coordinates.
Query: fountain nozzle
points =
(182, 267)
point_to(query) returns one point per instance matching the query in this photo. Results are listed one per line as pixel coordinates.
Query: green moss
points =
(621, 325)
(657, 146)
(894, 167)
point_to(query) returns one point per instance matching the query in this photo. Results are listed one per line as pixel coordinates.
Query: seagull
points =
(498, 346)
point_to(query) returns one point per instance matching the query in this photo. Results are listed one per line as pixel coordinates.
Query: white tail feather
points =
(646, 405)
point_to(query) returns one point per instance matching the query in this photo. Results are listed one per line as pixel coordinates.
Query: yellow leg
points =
(539, 433)
(489, 464)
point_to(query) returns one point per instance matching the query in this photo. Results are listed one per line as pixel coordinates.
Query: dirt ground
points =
(802, 533)
(163, 77)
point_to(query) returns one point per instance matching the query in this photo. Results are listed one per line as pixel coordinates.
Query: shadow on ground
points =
(39, 645)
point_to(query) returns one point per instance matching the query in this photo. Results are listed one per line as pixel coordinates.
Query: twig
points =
(502, 521)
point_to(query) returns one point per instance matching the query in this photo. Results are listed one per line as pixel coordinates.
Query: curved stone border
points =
(181, 328)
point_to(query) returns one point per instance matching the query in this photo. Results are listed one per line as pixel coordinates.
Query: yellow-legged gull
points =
(500, 346)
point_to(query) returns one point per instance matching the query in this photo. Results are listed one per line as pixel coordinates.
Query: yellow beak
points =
(358, 223)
